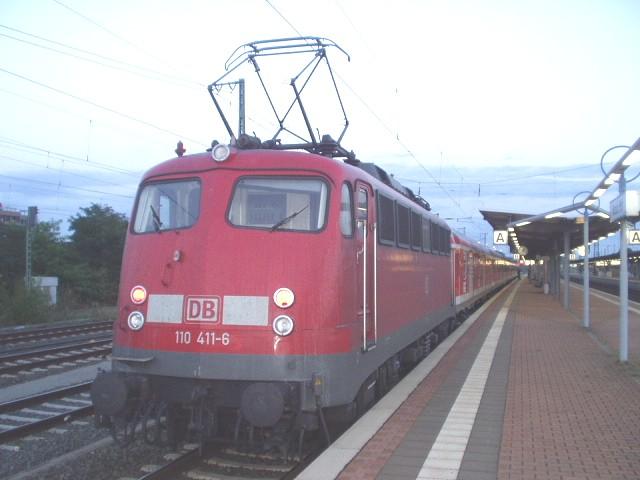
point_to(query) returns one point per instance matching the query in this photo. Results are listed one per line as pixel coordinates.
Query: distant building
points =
(49, 286)
(11, 215)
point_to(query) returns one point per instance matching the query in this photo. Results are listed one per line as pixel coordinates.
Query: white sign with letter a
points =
(634, 237)
(500, 237)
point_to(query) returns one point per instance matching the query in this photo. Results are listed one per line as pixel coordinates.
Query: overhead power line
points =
(102, 107)
(399, 142)
(59, 185)
(116, 64)
(67, 158)
(550, 172)
(65, 172)
(115, 35)
(284, 18)
(377, 117)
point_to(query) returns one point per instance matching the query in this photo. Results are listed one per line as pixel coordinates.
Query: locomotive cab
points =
(234, 292)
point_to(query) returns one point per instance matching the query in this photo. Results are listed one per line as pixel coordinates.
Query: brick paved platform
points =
(605, 311)
(522, 391)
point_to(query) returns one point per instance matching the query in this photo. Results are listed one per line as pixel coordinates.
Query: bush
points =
(23, 306)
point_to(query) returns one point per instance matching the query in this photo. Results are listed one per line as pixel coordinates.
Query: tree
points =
(12, 258)
(20, 305)
(96, 245)
(48, 249)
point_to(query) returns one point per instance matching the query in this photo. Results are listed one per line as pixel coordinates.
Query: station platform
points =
(519, 391)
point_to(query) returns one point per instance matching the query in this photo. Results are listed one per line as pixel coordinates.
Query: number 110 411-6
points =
(184, 337)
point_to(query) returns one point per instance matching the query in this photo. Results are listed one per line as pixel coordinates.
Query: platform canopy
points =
(543, 234)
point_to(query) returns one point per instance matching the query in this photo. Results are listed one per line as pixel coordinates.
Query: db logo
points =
(202, 309)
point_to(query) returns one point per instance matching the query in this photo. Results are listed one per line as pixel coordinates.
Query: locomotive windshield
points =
(167, 206)
(297, 204)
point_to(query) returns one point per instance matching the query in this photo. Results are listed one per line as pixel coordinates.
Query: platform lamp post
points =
(586, 307)
(558, 212)
(620, 211)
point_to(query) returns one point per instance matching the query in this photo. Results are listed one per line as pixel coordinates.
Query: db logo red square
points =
(202, 309)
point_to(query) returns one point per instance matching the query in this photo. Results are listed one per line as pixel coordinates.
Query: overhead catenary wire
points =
(376, 116)
(66, 157)
(102, 107)
(104, 124)
(46, 167)
(118, 64)
(399, 142)
(59, 185)
(284, 18)
(549, 172)
(116, 36)
(49, 211)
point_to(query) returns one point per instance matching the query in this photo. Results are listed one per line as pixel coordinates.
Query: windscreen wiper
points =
(156, 219)
(289, 218)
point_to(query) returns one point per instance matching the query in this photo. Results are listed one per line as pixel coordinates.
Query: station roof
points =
(543, 236)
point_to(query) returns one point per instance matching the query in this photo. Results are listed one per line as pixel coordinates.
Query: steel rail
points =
(29, 428)
(25, 347)
(55, 419)
(48, 332)
(173, 468)
(36, 352)
(43, 397)
(9, 369)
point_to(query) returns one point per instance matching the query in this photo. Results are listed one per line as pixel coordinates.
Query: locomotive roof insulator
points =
(180, 150)
(248, 142)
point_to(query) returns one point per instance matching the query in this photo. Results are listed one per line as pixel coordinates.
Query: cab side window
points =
(346, 211)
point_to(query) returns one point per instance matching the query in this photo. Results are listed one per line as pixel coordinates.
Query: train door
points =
(366, 264)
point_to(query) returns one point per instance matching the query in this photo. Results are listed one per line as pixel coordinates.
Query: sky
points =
(494, 105)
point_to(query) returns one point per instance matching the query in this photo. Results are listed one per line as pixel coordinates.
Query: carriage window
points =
(167, 206)
(386, 220)
(279, 203)
(363, 206)
(445, 242)
(403, 226)
(426, 235)
(346, 216)
(435, 238)
(416, 231)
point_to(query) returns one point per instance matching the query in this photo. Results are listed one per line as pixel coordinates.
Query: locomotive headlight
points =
(135, 320)
(283, 298)
(138, 294)
(283, 325)
(220, 152)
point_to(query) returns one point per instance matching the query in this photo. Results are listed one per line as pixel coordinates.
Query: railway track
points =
(11, 363)
(23, 417)
(214, 460)
(33, 334)
(610, 285)
(222, 462)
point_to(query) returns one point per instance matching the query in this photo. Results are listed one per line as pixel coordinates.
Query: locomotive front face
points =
(220, 283)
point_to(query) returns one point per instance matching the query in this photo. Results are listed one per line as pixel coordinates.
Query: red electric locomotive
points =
(263, 288)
